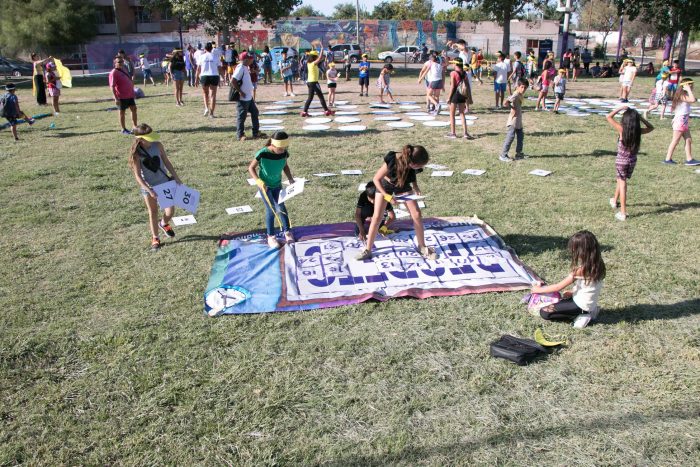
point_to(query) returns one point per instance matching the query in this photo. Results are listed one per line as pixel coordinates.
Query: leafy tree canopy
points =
(404, 10)
(306, 10)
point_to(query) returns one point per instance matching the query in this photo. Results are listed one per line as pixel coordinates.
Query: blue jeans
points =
(245, 107)
(273, 195)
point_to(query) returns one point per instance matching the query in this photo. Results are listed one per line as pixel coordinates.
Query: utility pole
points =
(116, 22)
(619, 42)
(567, 9)
(357, 20)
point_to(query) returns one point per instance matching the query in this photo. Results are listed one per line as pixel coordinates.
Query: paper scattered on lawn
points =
(401, 213)
(325, 174)
(351, 172)
(409, 197)
(436, 166)
(239, 209)
(184, 220)
(291, 191)
(442, 173)
(540, 172)
(474, 172)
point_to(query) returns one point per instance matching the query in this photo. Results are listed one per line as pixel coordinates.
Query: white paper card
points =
(442, 173)
(401, 213)
(166, 194)
(187, 198)
(286, 182)
(184, 220)
(474, 172)
(291, 191)
(351, 172)
(421, 204)
(540, 172)
(239, 209)
(436, 166)
(325, 174)
(251, 181)
(362, 187)
(257, 194)
(409, 197)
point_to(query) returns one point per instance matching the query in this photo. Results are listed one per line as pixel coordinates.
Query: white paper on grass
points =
(325, 174)
(291, 191)
(184, 220)
(187, 198)
(421, 204)
(286, 182)
(166, 193)
(411, 197)
(239, 209)
(351, 172)
(436, 166)
(442, 173)
(362, 187)
(540, 172)
(474, 172)
(401, 213)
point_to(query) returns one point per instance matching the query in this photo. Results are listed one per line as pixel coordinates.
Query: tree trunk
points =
(667, 46)
(683, 47)
(505, 46)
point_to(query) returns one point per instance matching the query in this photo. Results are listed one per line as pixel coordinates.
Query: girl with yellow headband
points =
(272, 162)
(681, 122)
(149, 162)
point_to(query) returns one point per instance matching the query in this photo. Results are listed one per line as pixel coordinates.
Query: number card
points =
(540, 172)
(441, 173)
(325, 174)
(351, 172)
(251, 181)
(474, 172)
(436, 166)
(184, 220)
(239, 209)
(362, 187)
(166, 194)
(187, 198)
(400, 213)
(291, 191)
(409, 197)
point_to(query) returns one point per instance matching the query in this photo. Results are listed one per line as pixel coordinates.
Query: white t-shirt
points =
(586, 295)
(661, 87)
(209, 64)
(228, 55)
(242, 73)
(217, 53)
(507, 62)
(434, 72)
(464, 55)
(501, 71)
(630, 72)
(197, 53)
(145, 65)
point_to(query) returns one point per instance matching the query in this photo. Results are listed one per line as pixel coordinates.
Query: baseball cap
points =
(244, 55)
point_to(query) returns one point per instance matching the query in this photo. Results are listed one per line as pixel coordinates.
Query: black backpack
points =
(517, 350)
(4, 111)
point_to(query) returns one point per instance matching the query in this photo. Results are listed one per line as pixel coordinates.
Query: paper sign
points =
(697, 171)
(474, 172)
(166, 194)
(184, 220)
(362, 187)
(421, 204)
(187, 198)
(442, 173)
(291, 191)
(251, 181)
(400, 213)
(286, 182)
(258, 195)
(436, 166)
(239, 209)
(540, 172)
(351, 172)
(325, 174)
(409, 197)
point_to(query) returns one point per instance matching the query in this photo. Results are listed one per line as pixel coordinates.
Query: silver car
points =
(400, 54)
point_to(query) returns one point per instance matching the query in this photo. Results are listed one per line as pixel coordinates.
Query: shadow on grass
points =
(553, 133)
(204, 129)
(59, 134)
(508, 436)
(646, 312)
(595, 153)
(668, 208)
(536, 244)
(198, 238)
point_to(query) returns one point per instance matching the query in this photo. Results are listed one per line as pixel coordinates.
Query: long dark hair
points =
(142, 129)
(631, 131)
(409, 155)
(585, 254)
(680, 92)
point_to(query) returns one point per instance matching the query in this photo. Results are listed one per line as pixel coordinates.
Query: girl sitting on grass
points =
(587, 274)
(629, 134)
(397, 175)
(148, 161)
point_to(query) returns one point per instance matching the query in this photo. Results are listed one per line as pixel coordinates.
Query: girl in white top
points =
(627, 78)
(587, 274)
(332, 77)
(660, 96)
(681, 121)
(432, 72)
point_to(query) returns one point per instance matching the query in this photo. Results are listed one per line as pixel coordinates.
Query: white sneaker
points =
(272, 242)
(613, 203)
(620, 217)
(293, 95)
(56, 114)
(286, 94)
(206, 111)
(582, 320)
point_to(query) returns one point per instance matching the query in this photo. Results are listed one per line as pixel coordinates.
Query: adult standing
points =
(576, 63)
(208, 76)
(190, 65)
(246, 104)
(586, 58)
(38, 77)
(312, 84)
(122, 87)
(177, 71)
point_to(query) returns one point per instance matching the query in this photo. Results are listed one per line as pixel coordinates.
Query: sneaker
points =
(260, 135)
(293, 95)
(582, 320)
(520, 156)
(329, 113)
(286, 94)
(384, 230)
(670, 162)
(242, 138)
(437, 110)
(155, 244)
(30, 121)
(451, 136)
(126, 132)
(167, 230)
(503, 158)
(428, 253)
(272, 242)
(361, 94)
(211, 115)
(289, 237)
(56, 114)
(304, 114)
(620, 217)
(468, 136)
(206, 112)
(613, 203)
(364, 255)
(692, 162)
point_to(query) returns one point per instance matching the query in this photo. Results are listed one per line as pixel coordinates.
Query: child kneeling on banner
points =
(272, 161)
(147, 160)
(587, 274)
(365, 209)
(398, 176)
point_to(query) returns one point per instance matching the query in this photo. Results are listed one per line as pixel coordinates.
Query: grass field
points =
(107, 358)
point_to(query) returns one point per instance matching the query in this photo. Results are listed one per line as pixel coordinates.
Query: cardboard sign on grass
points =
(184, 220)
(291, 191)
(239, 209)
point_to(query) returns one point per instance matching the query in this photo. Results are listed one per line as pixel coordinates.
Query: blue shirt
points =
(365, 73)
(11, 105)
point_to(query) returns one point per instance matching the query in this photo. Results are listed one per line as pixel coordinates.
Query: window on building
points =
(143, 15)
(104, 14)
(166, 14)
(533, 44)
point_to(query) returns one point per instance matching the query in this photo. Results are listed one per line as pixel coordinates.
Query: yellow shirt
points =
(313, 73)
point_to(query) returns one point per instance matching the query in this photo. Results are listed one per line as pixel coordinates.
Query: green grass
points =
(106, 357)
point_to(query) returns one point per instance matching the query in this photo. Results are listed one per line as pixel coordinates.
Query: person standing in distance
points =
(208, 75)
(246, 103)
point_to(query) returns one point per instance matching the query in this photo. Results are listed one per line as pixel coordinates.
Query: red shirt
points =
(122, 84)
(674, 75)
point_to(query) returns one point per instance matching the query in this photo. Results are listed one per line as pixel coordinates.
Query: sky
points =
(326, 7)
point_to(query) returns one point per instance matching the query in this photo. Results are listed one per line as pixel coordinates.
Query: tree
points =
(43, 24)
(404, 10)
(385, 10)
(456, 13)
(347, 11)
(502, 11)
(599, 15)
(224, 15)
(305, 10)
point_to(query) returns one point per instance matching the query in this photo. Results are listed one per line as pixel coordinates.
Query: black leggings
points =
(314, 88)
(565, 309)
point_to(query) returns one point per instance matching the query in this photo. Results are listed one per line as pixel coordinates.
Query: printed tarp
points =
(319, 270)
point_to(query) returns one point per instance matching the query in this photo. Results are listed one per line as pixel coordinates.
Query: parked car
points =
(339, 52)
(10, 67)
(400, 54)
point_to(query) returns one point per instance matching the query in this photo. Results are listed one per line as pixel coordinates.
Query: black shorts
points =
(332, 85)
(560, 95)
(364, 81)
(209, 80)
(12, 120)
(126, 103)
(392, 189)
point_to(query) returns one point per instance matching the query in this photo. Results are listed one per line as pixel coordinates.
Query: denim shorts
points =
(500, 87)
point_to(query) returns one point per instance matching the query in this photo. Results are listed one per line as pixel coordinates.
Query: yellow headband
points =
(151, 137)
(280, 143)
